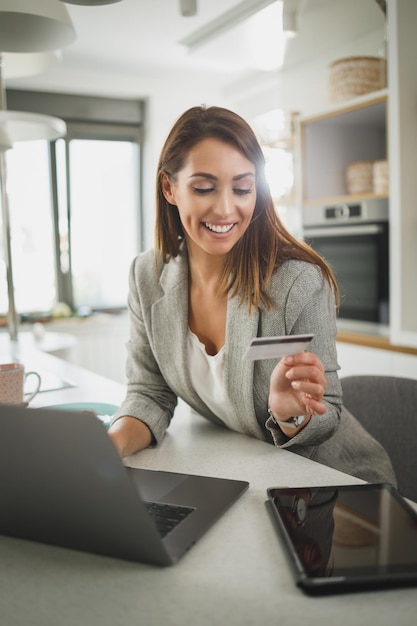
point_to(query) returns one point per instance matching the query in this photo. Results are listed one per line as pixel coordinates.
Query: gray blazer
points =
(158, 374)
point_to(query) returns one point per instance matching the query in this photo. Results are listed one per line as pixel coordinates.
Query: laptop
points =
(63, 483)
(346, 538)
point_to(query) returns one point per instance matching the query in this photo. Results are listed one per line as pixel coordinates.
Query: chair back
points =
(386, 406)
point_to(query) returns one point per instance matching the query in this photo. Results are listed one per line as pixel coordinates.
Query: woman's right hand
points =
(297, 387)
(129, 435)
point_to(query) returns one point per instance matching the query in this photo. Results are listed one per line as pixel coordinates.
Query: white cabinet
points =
(100, 343)
(355, 359)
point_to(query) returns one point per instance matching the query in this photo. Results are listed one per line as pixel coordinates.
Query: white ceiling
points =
(134, 37)
(139, 34)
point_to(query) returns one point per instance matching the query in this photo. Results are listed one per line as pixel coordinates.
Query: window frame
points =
(86, 131)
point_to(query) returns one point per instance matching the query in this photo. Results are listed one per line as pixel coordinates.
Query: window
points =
(98, 219)
(75, 217)
(31, 225)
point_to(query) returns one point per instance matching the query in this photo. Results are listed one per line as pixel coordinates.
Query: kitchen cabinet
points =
(380, 125)
(356, 360)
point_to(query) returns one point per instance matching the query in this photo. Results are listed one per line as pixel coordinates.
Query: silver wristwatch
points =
(293, 422)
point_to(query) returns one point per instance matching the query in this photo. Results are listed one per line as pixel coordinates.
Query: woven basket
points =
(380, 177)
(355, 76)
(359, 177)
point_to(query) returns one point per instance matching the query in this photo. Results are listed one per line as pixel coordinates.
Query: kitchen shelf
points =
(344, 199)
(333, 140)
(353, 104)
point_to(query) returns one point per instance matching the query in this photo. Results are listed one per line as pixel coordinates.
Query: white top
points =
(207, 378)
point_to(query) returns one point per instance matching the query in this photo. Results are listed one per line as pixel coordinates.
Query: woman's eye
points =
(203, 191)
(239, 191)
(242, 192)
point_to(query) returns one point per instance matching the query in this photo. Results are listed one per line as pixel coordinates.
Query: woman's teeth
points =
(219, 229)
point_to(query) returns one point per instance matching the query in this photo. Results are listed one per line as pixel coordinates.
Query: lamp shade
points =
(34, 26)
(23, 126)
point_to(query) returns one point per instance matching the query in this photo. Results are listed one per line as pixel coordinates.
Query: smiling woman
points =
(226, 270)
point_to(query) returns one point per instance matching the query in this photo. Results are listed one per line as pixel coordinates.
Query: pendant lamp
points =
(34, 26)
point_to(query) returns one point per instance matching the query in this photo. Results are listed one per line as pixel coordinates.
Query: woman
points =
(225, 270)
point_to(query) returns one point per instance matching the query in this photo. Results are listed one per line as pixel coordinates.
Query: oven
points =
(354, 240)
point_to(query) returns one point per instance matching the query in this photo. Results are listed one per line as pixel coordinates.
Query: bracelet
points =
(293, 422)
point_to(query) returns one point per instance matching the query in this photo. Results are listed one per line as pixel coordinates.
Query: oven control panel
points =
(374, 210)
(343, 211)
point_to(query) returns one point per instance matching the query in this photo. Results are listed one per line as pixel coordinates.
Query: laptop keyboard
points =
(167, 516)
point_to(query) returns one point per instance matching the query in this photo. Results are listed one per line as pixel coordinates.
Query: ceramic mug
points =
(12, 384)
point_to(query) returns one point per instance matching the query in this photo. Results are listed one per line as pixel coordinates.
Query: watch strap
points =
(293, 422)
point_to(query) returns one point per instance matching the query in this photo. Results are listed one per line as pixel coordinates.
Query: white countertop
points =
(236, 574)
(50, 342)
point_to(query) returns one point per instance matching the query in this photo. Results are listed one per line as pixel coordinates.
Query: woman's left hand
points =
(297, 386)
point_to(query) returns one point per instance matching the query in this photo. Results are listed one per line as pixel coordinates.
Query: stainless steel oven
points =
(354, 239)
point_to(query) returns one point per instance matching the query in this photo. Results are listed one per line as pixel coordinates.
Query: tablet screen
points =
(346, 536)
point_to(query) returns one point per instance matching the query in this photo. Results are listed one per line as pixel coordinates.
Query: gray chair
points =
(387, 408)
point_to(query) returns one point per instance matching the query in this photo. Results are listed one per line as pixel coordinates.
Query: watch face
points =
(299, 420)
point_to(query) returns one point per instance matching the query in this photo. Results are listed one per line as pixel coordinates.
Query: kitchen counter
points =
(372, 341)
(237, 574)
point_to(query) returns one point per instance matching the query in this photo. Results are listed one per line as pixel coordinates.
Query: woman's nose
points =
(224, 204)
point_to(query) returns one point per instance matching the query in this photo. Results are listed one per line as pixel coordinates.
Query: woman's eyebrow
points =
(212, 177)
(245, 175)
(203, 175)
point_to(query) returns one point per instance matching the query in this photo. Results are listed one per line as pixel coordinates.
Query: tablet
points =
(346, 538)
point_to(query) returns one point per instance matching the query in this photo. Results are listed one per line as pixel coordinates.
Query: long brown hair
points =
(266, 243)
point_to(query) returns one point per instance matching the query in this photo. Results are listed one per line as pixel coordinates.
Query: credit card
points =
(277, 347)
